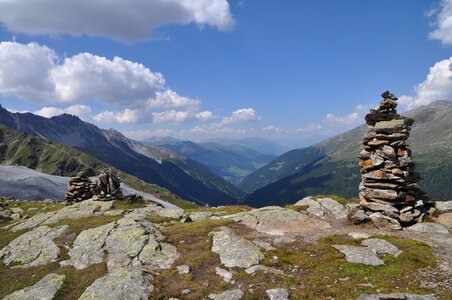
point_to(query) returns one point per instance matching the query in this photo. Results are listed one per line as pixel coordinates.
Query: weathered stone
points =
(314, 207)
(88, 247)
(445, 219)
(158, 255)
(382, 221)
(277, 294)
(254, 269)
(200, 216)
(183, 269)
(264, 245)
(235, 251)
(358, 235)
(376, 159)
(45, 289)
(359, 255)
(379, 175)
(398, 296)
(113, 213)
(33, 248)
(119, 285)
(380, 194)
(334, 207)
(278, 221)
(88, 208)
(428, 228)
(380, 246)
(170, 213)
(33, 222)
(226, 275)
(359, 217)
(444, 206)
(236, 294)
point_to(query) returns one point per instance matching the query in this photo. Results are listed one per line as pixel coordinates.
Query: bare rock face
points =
(389, 190)
(119, 285)
(228, 295)
(234, 250)
(45, 289)
(33, 248)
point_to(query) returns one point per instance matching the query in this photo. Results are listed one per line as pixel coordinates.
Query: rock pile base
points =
(80, 188)
(389, 190)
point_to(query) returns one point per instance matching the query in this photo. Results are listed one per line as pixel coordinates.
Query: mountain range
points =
(331, 166)
(231, 162)
(184, 177)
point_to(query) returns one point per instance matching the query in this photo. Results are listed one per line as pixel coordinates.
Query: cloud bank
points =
(126, 21)
(443, 24)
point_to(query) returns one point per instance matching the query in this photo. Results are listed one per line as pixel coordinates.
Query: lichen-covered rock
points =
(428, 228)
(277, 294)
(45, 289)
(314, 207)
(33, 248)
(158, 255)
(334, 207)
(385, 222)
(358, 235)
(278, 221)
(265, 269)
(234, 250)
(359, 255)
(122, 284)
(33, 222)
(200, 216)
(125, 243)
(80, 210)
(225, 274)
(236, 294)
(170, 213)
(88, 247)
(398, 296)
(380, 246)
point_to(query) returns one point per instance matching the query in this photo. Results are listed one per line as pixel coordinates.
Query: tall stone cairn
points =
(389, 191)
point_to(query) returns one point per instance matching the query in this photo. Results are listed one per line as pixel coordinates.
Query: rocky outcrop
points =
(119, 285)
(277, 294)
(275, 220)
(33, 248)
(321, 207)
(367, 255)
(234, 250)
(45, 289)
(389, 183)
(398, 296)
(88, 208)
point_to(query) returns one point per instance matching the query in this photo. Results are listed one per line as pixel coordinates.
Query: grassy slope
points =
(334, 168)
(56, 159)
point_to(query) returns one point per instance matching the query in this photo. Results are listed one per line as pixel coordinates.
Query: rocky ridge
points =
(150, 252)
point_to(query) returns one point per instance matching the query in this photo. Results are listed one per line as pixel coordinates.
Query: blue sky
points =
(286, 70)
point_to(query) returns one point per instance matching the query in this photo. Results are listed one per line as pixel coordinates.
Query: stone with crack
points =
(120, 285)
(380, 246)
(33, 248)
(45, 289)
(359, 255)
(234, 250)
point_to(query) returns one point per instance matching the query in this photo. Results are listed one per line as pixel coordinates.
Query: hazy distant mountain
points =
(231, 162)
(331, 167)
(258, 144)
(185, 177)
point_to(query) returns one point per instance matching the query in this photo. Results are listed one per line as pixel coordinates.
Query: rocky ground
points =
(310, 250)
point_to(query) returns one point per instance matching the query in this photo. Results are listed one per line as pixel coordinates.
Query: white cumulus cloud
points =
(127, 21)
(242, 115)
(443, 24)
(82, 111)
(174, 116)
(437, 86)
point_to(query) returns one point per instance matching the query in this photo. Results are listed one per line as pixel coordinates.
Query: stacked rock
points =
(80, 188)
(389, 191)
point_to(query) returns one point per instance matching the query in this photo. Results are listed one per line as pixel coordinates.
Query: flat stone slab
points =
(278, 221)
(33, 221)
(444, 206)
(358, 235)
(200, 216)
(277, 294)
(380, 246)
(88, 247)
(157, 255)
(33, 248)
(398, 296)
(228, 295)
(359, 255)
(234, 250)
(445, 219)
(87, 208)
(45, 289)
(122, 284)
(428, 228)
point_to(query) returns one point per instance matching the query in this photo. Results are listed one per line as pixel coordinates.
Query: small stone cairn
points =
(389, 190)
(106, 187)
(80, 188)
